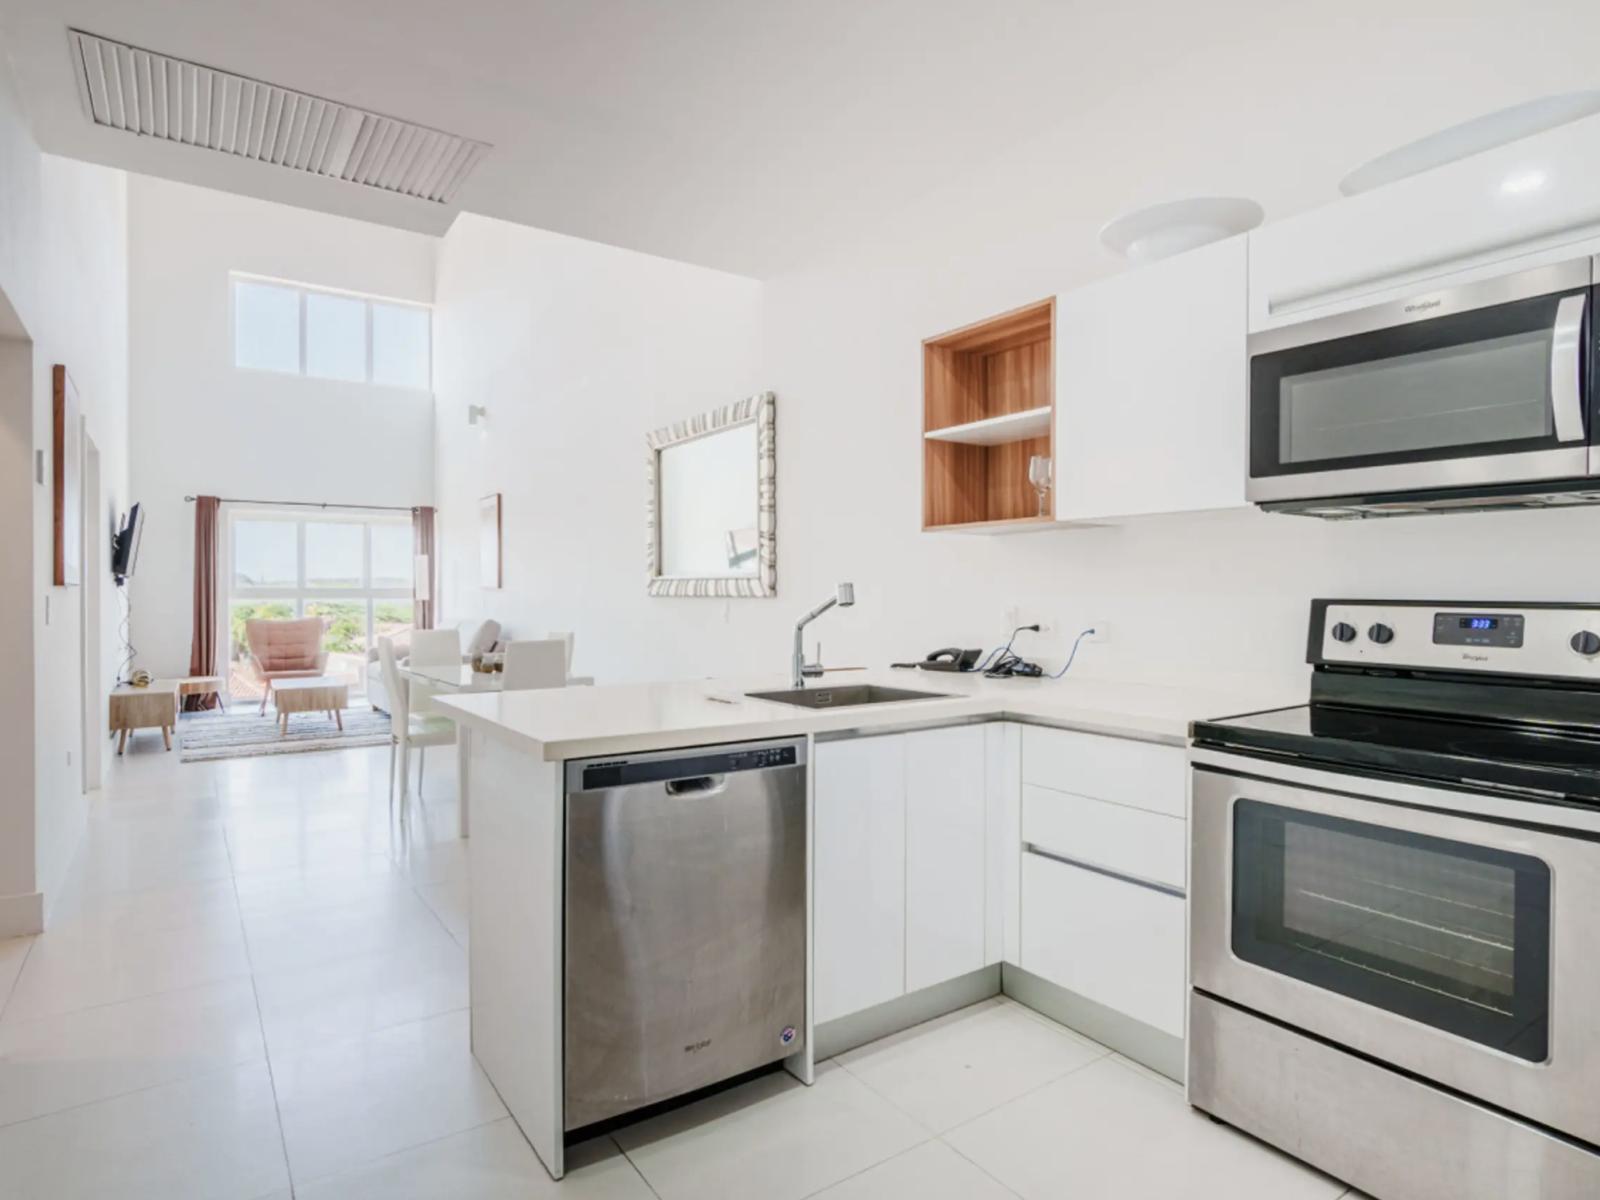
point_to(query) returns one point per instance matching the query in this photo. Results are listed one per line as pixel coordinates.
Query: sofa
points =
(477, 637)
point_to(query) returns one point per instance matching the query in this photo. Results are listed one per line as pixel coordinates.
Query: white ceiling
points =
(757, 135)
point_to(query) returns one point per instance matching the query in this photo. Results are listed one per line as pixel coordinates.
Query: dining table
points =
(464, 677)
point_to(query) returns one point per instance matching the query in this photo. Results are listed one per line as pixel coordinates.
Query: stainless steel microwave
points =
(1474, 397)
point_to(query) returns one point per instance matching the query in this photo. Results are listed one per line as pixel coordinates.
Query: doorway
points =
(96, 569)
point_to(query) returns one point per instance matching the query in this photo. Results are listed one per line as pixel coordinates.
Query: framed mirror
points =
(711, 518)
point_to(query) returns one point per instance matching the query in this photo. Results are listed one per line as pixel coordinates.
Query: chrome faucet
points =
(844, 597)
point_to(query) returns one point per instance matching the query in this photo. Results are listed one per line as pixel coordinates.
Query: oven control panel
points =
(1557, 641)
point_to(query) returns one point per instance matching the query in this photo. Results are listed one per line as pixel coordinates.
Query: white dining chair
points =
(435, 647)
(569, 639)
(535, 664)
(408, 730)
(431, 648)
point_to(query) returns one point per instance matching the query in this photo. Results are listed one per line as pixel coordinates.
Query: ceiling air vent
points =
(146, 93)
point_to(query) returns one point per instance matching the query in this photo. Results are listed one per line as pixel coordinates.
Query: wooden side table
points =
(201, 685)
(153, 707)
(320, 694)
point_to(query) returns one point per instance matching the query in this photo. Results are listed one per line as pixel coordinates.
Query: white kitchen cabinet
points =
(1150, 388)
(1536, 200)
(1138, 774)
(1119, 944)
(859, 888)
(1131, 841)
(946, 818)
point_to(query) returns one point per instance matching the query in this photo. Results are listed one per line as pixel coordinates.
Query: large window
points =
(330, 335)
(354, 571)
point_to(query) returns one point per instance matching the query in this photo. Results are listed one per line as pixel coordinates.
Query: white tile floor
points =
(253, 988)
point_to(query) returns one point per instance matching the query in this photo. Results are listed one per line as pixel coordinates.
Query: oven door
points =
(1462, 949)
(1477, 385)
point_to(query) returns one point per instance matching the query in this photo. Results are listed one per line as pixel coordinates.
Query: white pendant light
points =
(1161, 230)
(1471, 137)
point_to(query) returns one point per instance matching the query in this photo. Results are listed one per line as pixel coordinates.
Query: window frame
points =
(302, 291)
(302, 593)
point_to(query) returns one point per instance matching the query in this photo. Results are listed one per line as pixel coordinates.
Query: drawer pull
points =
(1165, 889)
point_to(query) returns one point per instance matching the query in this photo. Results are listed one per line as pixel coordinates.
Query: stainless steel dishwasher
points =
(685, 921)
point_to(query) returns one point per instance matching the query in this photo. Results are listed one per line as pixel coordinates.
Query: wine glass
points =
(1039, 472)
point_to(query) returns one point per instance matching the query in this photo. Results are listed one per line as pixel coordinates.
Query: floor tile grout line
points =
(870, 1167)
(88, 1008)
(637, 1169)
(16, 979)
(138, 1091)
(320, 1180)
(939, 1134)
(261, 1024)
(987, 1174)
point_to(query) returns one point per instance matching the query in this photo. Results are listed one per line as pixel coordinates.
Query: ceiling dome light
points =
(1162, 230)
(1471, 137)
(1523, 181)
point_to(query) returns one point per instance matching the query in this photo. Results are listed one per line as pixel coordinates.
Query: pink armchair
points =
(285, 650)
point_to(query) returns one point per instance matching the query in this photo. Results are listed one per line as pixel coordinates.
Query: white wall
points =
(63, 275)
(202, 427)
(577, 350)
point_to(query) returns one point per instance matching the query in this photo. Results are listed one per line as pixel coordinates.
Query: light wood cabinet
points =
(1151, 388)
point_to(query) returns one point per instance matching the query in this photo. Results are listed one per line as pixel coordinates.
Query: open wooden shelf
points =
(988, 407)
(997, 431)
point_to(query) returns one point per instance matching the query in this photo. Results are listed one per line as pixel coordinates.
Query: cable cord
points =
(1070, 657)
(124, 630)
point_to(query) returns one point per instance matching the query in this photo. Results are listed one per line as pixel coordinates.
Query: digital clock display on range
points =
(1478, 629)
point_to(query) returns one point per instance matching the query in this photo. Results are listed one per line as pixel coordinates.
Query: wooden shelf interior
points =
(988, 395)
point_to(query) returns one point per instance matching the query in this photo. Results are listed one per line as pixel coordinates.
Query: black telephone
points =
(951, 658)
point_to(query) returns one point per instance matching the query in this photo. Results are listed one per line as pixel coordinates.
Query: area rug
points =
(244, 733)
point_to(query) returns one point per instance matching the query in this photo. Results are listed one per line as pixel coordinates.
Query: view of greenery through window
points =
(354, 573)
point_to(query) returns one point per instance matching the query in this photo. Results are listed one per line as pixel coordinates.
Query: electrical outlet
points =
(1102, 631)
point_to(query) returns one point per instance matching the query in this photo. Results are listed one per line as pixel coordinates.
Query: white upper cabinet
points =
(1534, 201)
(1151, 388)
(946, 818)
(859, 892)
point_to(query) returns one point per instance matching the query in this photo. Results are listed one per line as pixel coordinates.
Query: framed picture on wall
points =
(67, 475)
(489, 532)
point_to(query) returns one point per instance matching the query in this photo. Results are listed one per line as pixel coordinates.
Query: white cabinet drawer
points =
(1131, 841)
(1137, 774)
(1116, 943)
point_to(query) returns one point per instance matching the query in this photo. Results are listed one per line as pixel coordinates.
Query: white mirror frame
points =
(760, 410)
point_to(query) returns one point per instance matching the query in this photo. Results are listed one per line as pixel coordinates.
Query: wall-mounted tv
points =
(125, 546)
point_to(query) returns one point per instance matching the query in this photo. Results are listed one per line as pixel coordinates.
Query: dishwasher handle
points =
(697, 785)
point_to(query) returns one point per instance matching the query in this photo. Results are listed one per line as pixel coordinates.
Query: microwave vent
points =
(154, 95)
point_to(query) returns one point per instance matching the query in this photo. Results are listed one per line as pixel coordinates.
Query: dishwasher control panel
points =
(594, 775)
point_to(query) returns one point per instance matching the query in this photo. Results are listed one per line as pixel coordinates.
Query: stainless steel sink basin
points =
(850, 696)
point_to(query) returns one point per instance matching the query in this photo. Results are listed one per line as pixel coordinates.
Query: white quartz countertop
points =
(584, 722)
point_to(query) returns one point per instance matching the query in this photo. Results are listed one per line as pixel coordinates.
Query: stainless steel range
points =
(1395, 913)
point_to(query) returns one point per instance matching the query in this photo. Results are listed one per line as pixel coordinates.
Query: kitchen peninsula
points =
(945, 837)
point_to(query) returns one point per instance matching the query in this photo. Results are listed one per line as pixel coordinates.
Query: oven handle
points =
(1566, 368)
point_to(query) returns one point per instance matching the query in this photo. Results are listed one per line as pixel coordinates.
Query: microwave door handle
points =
(1566, 368)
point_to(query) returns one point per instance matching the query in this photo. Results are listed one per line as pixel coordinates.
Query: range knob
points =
(1586, 642)
(1381, 634)
(1344, 632)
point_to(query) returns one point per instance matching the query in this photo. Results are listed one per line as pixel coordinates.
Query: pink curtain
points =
(203, 643)
(422, 544)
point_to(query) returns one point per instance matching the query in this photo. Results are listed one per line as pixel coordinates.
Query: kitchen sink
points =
(850, 696)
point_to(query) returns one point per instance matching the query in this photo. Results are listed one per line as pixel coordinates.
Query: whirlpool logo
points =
(1423, 306)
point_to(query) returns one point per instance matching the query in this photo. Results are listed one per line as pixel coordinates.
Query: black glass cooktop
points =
(1559, 761)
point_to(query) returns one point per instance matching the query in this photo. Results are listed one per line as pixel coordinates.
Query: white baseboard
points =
(21, 914)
